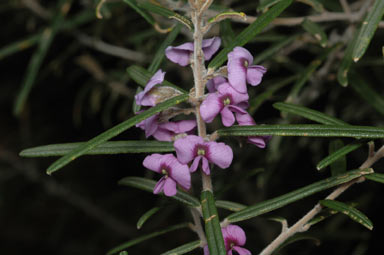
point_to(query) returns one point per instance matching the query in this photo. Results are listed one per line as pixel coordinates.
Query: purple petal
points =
(213, 84)
(236, 97)
(151, 125)
(210, 46)
(180, 173)
(184, 126)
(163, 135)
(143, 98)
(234, 233)
(206, 250)
(259, 141)
(227, 117)
(167, 131)
(238, 60)
(245, 119)
(181, 54)
(236, 109)
(241, 251)
(220, 154)
(195, 164)
(255, 74)
(159, 186)
(206, 168)
(152, 162)
(170, 187)
(185, 148)
(211, 107)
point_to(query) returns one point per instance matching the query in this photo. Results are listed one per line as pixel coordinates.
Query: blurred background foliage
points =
(80, 88)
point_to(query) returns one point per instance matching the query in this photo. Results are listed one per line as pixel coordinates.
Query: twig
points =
(345, 6)
(34, 6)
(301, 225)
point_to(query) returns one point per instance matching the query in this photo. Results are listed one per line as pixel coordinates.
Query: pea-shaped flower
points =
(247, 120)
(194, 148)
(173, 173)
(241, 70)
(182, 54)
(225, 101)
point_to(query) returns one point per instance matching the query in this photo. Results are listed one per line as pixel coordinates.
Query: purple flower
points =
(166, 131)
(145, 98)
(241, 70)
(174, 173)
(247, 120)
(213, 84)
(194, 148)
(225, 101)
(181, 54)
(234, 238)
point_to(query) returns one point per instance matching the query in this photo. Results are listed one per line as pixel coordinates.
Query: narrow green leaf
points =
(143, 238)
(266, 4)
(212, 224)
(142, 76)
(365, 91)
(348, 210)
(135, 107)
(146, 15)
(149, 185)
(226, 32)
(338, 166)
(183, 249)
(37, 58)
(112, 132)
(123, 253)
(316, 31)
(158, 9)
(346, 62)
(340, 153)
(229, 205)
(146, 216)
(367, 29)
(160, 53)
(377, 177)
(115, 147)
(278, 202)
(325, 213)
(308, 113)
(275, 48)
(251, 31)
(308, 130)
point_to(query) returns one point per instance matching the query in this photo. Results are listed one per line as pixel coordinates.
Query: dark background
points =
(81, 209)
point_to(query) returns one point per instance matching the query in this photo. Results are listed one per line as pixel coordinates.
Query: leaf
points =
(365, 91)
(228, 15)
(308, 113)
(316, 31)
(112, 132)
(278, 202)
(212, 225)
(348, 210)
(367, 29)
(377, 177)
(184, 248)
(229, 205)
(275, 48)
(346, 62)
(160, 53)
(158, 9)
(339, 153)
(143, 238)
(38, 56)
(142, 76)
(251, 31)
(307, 130)
(149, 185)
(146, 15)
(146, 216)
(115, 147)
(226, 32)
(338, 166)
(265, 4)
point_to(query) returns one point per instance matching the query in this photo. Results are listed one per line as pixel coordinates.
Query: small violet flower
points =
(174, 173)
(234, 238)
(214, 83)
(247, 120)
(166, 131)
(182, 54)
(241, 70)
(194, 148)
(225, 101)
(145, 98)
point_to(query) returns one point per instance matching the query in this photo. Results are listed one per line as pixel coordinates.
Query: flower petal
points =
(227, 117)
(163, 135)
(152, 162)
(210, 46)
(143, 98)
(151, 125)
(180, 173)
(220, 154)
(183, 126)
(259, 141)
(180, 54)
(206, 168)
(236, 97)
(235, 234)
(211, 107)
(206, 250)
(195, 164)
(170, 187)
(159, 186)
(241, 251)
(185, 148)
(237, 70)
(245, 119)
(255, 74)
(213, 84)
